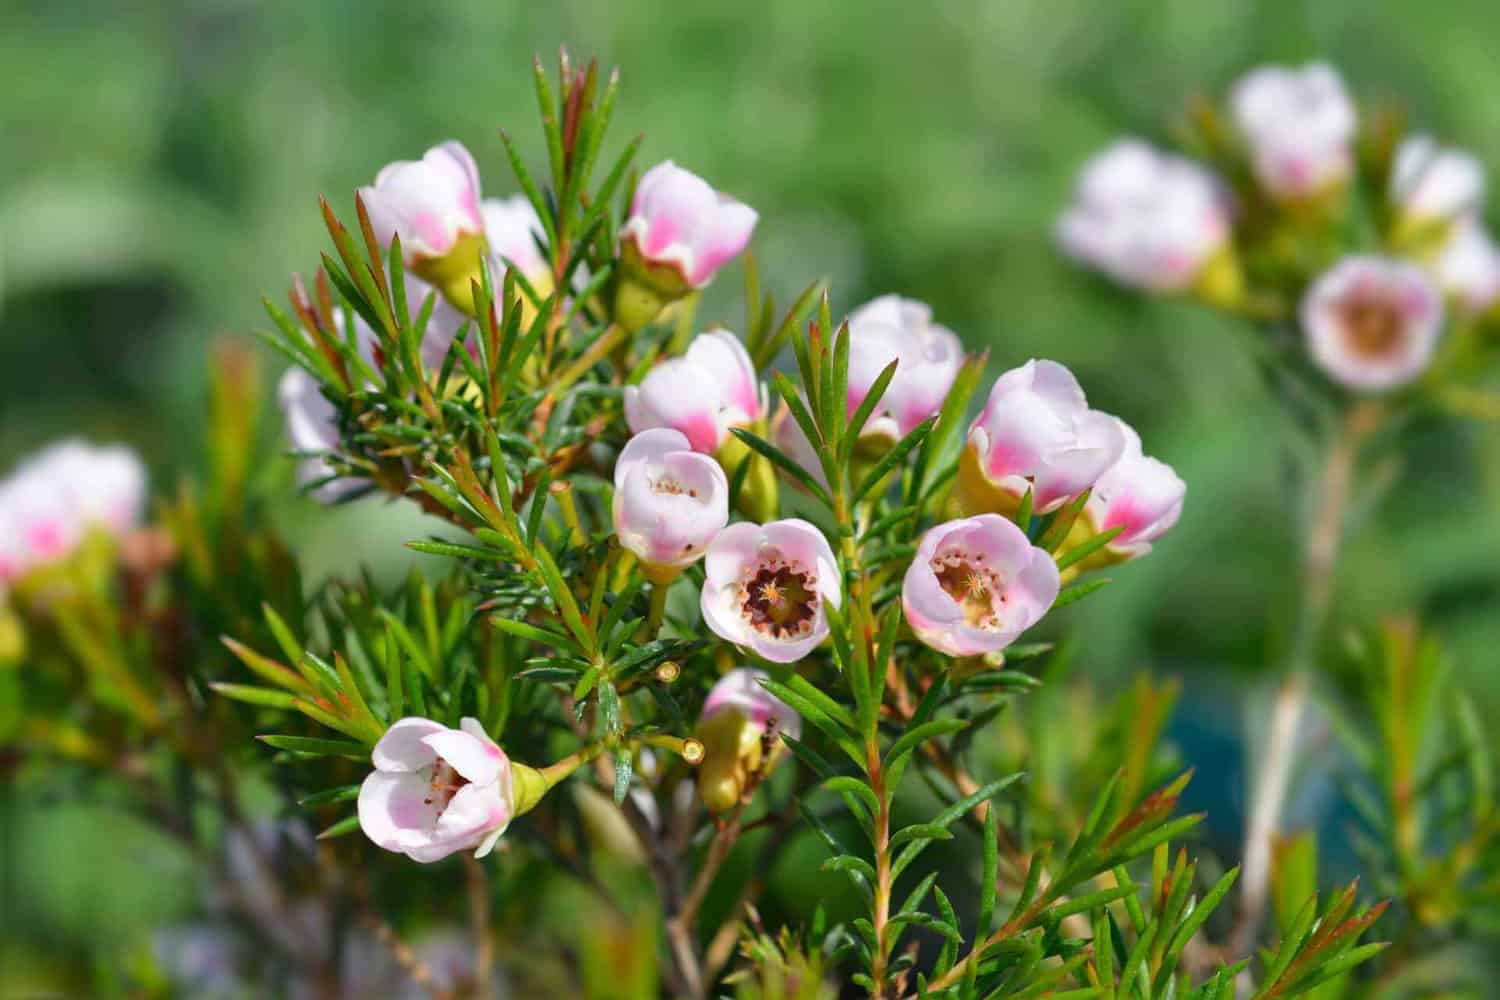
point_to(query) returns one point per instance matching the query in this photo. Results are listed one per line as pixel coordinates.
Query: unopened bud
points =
(668, 672)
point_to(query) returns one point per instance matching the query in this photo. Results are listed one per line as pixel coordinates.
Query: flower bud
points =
(928, 357)
(1035, 433)
(1372, 323)
(1139, 495)
(433, 205)
(59, 497)
(436, 791)
(670, 501)
(679, 233)
(1431, 187)
(766, 587)
(701, 394)
(1468, 267)
(1148, 220)
(733, 726)
(1299, 125)
(976, 584)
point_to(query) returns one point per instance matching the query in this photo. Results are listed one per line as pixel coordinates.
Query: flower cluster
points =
(1263, 227)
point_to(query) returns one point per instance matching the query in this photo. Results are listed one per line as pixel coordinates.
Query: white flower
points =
(1145, 218)
(1468, 267)
(702, 394)
(766, 587)
(679, 222)
(670, 501)
(432, 202)
(1299, 124)
(1372, 323)
(435, 790)
(892, 328)
(1430, 183)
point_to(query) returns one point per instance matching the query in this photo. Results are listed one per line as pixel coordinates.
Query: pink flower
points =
(1146, 219)
(1469, 267)
(1435, 184)
(670, 501)
(1299, 125)
(976, 584)
(679, 223)
(435, 790)
(741, 691)
(432, 202)
(312, 428)
(888, 329)
(511, 227)
(1138, 494)
(766, 586)
(702, 394)
(1372, 323)
(1036, 432)
(54, 498)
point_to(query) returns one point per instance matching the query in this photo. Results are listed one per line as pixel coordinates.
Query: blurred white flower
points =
(1299, 125)
(1372, 323)
(1435, 184)
(1147, 219)
(1468, 267)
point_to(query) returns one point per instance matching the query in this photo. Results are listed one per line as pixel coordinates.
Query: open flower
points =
(1468, 267)
(1299, 125)
(701, 394)
(976, 584)
(1036, 432)
(1372, 323)
(892, 328)
(681, 231)
(56, 497)
(670, 501)
(1432, 184)
(432, 203)
(1140, 495)
(435, 790)
(766, 587)
(1145, 218)
(732, 727)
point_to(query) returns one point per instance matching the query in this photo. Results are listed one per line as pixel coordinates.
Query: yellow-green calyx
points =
(645, 288)
(529, 784)
(454, 273)
(12, 637)
(733, 753)
(759, 499)
(1221, 282)
(975, 494)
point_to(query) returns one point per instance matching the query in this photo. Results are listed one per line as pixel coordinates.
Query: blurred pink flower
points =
(1138, 494)
(1435, 184)
(741, 691)
(1299, 125)
(1372, 323)
(928, 357)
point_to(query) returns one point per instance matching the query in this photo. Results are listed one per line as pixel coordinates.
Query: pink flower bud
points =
(701, 394)
(681, 230)
(436, 791)
(1299, 125)
(432, 202)
(1138, 494)
(888, 329)
(766, 586)
(670, 501)
(741, 691)
(1036, 432)
(976, 584)
(1144, 218)
(1372, 323)
(54, 498)
(1468, 267)
(1434, 184)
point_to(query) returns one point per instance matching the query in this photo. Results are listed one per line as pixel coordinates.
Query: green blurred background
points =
(160, 162)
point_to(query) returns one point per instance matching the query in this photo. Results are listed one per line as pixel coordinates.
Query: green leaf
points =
(255, 695)
(786, 464)
(314, 747)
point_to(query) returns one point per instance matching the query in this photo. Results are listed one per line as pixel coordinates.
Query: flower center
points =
(668, 486)
(975, 588)
(779, 599)
(1373, 325)
(443, 785)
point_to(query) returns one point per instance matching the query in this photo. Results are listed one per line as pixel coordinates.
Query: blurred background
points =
(160, 163)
